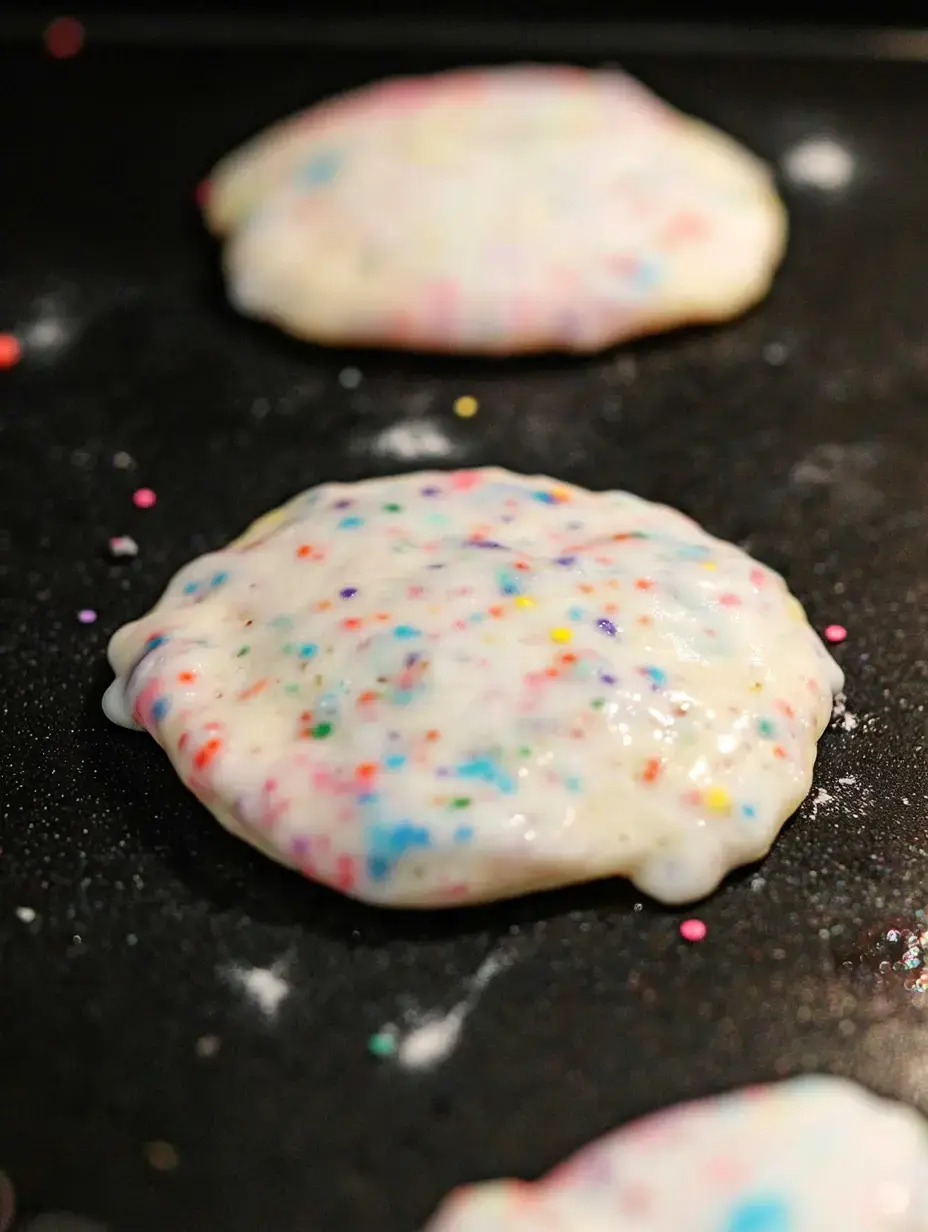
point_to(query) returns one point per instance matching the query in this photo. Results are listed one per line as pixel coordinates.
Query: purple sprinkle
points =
(86, 615)
(607, 679)
(606, 626)
(430, 491)
(342, 504)
(483, 543)
(564, 560)
(349, 592)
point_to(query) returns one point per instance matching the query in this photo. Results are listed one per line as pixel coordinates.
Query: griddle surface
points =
(800, 431)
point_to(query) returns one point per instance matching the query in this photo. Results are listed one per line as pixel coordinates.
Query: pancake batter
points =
(444, 688)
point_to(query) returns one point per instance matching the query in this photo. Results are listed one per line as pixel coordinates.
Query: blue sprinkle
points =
(576, 613)
(606, 626)
(692, 551)
(160, 708)
(154, 642)
(463, 834)
(572, 782)
(402, 697)
(749, 810)
(191, 588)
(406, 631)
(656, 676)
(352, 520)
(218, 579)
(320, 170)
(546, 498)
(377, 868)
(759, 1215)
(394, 761)
(307, 650)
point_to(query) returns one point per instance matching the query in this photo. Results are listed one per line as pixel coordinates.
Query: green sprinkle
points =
(321, 730)
(765, 727)
(392, 508)
(242, 651)
(288, 648)
(525, 751)
(291, 687)
(383, 1044)
(461, 802)
(598, 702)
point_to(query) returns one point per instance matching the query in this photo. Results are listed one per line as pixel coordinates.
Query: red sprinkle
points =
(693, 930)
(143, 498)
(835, 633)
(10, 351)
(64, 37)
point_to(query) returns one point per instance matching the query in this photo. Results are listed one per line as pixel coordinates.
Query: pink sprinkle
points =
(693, 930)
(143, 498)
(86, 615)
(835, 633)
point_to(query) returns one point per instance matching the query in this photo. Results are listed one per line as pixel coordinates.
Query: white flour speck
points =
(819, 162)
(849, 721)
(412, 439)
(265, 986)
(821, 797)
(432, 1037)
(25, 914)
(848, 781)
(775, 354)
(350, 378)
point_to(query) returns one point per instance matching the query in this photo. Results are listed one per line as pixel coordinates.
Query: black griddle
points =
(800, 431)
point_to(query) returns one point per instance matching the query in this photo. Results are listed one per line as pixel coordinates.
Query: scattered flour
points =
(849, 721)
(411, 440)
(431, 1037)
(264, 986)
(819, 162)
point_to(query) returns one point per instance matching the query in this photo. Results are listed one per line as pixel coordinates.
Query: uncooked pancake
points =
(810, 1155)
(444, 688)
(497, 210)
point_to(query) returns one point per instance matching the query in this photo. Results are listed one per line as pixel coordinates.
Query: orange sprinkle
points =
(353, 622)
(586, 588)
(366, 770)
(497, 610)
(367, 696)
(10, 351)
(552, 672)
(652, 768)
(186, 677)
(206, 753)
(520, 564)
(643, 584)
(323, 605)
(432, 735)
(779, 751)
(304, 550)
(254, 689)
(568, 658)
(383, 616)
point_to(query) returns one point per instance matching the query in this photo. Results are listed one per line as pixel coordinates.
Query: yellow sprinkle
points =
(525, 601)
(709, 564)
(717, 798)
(561, 634)
(466, 407)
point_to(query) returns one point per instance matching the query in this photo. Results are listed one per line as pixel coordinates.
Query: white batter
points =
(453, 687)
(810, 1155)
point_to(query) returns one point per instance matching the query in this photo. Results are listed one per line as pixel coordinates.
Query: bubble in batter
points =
(445, 688)
(810, 1155)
